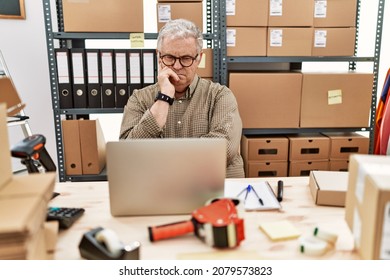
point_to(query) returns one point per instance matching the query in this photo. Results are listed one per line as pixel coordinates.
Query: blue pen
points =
(260, 200)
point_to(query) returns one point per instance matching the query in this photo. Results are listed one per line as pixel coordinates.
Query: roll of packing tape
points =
(110, 240)
(325, 235)
(312, 246)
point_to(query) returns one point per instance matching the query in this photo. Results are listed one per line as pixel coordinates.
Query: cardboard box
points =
(254, 169)
(247, 13)
(23, 204)
(338, 164)
(372, 230)
(328, 187)
(267, 100)
(289, 41)
(334, 41)
(206, 66)
(93, 146)
(336, 99)
(359, 167)
(308, 147)
(103, 16)
(335, 13)
(303, 168)
(246, 41)
(291, 13)
(264, 148)
(343, 144)
(72, 149)
(192, 11)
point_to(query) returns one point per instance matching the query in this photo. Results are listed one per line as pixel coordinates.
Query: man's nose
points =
(177, 64)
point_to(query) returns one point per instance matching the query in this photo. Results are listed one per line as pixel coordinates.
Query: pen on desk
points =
(260, 200)
(280, 190)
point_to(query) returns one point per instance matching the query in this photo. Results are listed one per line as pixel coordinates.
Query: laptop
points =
(171, 176)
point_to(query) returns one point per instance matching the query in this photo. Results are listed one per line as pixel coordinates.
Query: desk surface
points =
(297, 207)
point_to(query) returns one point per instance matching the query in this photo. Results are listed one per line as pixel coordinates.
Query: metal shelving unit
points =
(72, 39)
(296, 63)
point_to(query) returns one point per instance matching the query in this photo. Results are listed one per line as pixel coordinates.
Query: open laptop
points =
(164, 176)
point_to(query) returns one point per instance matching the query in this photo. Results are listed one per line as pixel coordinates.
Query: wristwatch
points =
(164, 97)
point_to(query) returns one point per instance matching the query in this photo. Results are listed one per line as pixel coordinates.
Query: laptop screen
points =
(164, 176)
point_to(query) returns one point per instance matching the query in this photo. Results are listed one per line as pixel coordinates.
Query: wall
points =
(23, 44)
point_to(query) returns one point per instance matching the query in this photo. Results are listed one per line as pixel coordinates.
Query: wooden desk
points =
(297, 207)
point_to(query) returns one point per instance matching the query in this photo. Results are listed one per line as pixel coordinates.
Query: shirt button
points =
(179, 122)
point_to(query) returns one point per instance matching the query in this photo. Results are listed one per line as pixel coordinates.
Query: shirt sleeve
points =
(138, 121)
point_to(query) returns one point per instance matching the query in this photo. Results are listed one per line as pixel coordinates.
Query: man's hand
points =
(166, 78)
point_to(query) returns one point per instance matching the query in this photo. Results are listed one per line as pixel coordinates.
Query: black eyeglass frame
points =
(178, 58)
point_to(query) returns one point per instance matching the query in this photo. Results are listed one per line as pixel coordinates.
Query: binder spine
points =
(64, 78)
(94, 89)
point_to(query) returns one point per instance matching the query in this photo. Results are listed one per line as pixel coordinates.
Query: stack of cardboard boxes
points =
(297, 155)
(291, 27)
(23, 207)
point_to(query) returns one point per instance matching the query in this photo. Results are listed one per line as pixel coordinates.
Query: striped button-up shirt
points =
(207, 109)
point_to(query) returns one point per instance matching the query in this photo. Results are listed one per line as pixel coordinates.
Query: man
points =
(181, 104)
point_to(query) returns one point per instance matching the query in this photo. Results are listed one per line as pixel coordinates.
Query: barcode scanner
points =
(32, 150)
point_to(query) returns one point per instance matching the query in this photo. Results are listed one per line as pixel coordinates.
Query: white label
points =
(164, 13)
(107, 69)
(357, 228)
(148, 68)
(62, 67)
(230, 37)
(93, 69)
(230, 7)
(276, 38)
(385, 240)
(135, 69)
(320, 8)
(121, 69)
(372, 169)
(78, 68)
(320, 38)
(276, 8)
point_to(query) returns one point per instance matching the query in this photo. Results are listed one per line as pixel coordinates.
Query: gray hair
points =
(180, 28)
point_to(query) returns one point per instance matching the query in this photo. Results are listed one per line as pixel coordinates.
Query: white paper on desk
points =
(251, 203)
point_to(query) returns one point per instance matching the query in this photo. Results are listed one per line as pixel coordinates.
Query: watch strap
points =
(164, 97)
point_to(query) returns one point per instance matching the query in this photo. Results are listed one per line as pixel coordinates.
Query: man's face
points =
(181, 48)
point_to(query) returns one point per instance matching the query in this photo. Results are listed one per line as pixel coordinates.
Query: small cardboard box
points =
(341, 99)
(359, 167)
(264, 148)
(192, 11)
(246, 41)
(256, 169)
(334, 41)
(335, 13)
(328, 187)
(372, 228)
(206, 66)
(308, 147)
(103, 16)
(343, 144)
(247, 13)
(289, 41)
(291, 13)
(303, 168)
(267, 100)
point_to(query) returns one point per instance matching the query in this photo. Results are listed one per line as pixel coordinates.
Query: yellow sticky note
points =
(137, 40)
(335, 97)
(281, 230)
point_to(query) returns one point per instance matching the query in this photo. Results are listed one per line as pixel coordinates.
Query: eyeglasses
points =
(185, 61)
